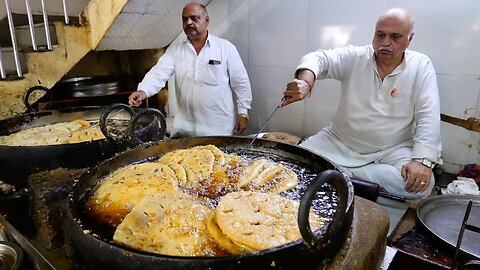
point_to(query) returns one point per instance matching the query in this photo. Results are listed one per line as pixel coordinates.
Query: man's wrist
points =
(425, 162)
(309, 84)
(244, 115)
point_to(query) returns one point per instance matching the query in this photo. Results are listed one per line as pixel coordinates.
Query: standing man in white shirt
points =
(209, 75)
(386, 128)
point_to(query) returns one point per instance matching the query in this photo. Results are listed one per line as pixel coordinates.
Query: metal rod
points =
(30, 24)
(258, 133)
(14, 39)
(2, 69)
(460, 235)
(264, 125)
(65, 11)
(45, 22)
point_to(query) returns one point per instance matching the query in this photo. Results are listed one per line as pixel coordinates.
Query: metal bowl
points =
(11, 256)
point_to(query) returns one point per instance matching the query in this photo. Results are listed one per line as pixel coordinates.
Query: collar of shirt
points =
(208, 43)
(398, 69)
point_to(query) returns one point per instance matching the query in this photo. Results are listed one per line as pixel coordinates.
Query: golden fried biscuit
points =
(85, 135)
(119, 192)
(198, 163)
(170, 224)
(285, 181)
(179, 172)
(251, 171)
(222, 240)
(217, 153)
(53, 134)
(260, 220)
(267, 175)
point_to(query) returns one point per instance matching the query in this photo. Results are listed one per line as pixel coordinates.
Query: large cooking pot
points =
(19, 162)
(308, 253)
(443, 217)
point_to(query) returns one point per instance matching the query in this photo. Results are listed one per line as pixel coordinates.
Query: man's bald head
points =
(195, 5)
(401, 15)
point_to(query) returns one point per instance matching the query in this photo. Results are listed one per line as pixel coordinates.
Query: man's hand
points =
(417, 176)
(135, 99)
(240, 126)
(296, 90)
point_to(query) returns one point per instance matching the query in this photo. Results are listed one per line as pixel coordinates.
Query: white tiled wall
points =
(271, 36)
(145, 24)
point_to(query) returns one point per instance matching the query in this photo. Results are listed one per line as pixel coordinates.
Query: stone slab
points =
(365, 246)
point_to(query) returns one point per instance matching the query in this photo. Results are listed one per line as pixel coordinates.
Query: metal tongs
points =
(262, 128)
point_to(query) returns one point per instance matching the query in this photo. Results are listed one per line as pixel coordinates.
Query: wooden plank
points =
(471, 123)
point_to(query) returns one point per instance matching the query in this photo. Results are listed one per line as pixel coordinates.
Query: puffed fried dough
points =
(120, 191)
(83, 122)
(170, 224)
(267, 175)
(217, 153)
(176, 156)
(222, 240)
(85, 135)
(198, 161)
(261, 175)
(282, 137)
(288, 180)
(260, 220)
(53, 134)
(179, 172)
(251, 172)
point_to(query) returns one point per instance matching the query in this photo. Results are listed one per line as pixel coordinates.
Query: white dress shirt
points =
(205, 86)
(375, 117)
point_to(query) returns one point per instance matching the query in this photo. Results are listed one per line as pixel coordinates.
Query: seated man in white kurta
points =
(387, 125)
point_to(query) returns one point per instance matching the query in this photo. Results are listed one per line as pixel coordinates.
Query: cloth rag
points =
(463, 186)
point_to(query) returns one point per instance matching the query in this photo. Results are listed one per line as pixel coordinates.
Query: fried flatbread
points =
(198, 163)
(53, 134)
(179, 172)
(217, 153)
(282, 137)
(267, 175)
(260, 220)
(170, 224)
(222, 240)
(119, 192)
(251, 171)
(85, 135)
(285, 181)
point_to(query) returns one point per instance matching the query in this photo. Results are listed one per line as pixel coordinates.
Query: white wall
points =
(271, 36)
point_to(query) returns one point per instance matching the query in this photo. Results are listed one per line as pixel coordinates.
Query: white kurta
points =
(379, 125)
(375, 117)
(205, 84)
